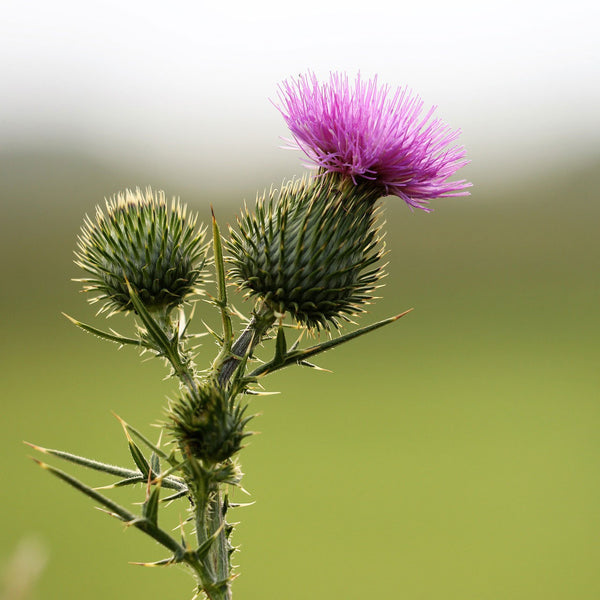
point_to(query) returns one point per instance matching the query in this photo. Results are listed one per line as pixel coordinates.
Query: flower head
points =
(141, 242)
(208, 423)
(367, 132)
(310, 249)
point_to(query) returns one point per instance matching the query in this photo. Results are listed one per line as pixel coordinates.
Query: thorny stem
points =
(261, 321)
(219, 553)
(213, 568)
(176, 355)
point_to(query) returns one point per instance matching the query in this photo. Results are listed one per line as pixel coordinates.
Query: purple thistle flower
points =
(366, 132)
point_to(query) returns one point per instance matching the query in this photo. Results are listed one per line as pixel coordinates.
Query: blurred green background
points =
(454, 454)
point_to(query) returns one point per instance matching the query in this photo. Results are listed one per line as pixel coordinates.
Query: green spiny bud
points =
(310, 249)
(141, 241)
(208, 423)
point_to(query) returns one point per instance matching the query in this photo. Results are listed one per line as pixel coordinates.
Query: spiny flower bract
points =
(208, 423)
(369, 132)
(309, 249)
(143, 242)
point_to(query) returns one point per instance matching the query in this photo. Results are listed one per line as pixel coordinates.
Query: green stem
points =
(215, 566)
(176, 355)
(261, 321)
(219, 551)
(210, 561)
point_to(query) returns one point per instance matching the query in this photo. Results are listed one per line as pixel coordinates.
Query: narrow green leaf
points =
(154, 329)
(173, 483)
(111, 337)
(317, 349)
(155, 464)
(175, 496)
(162, 537)
(87, 462)
(139, 459)
(205, 547)
(302, 355)
(221, 284)
(150, 506)
(213, 333)
(280, 347)
(115, 508)
(145, 440)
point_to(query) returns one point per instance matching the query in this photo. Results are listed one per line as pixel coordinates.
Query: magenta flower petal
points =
(367, 132)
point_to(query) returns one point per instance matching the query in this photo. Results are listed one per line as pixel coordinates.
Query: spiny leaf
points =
(213, 333)
(115, 508)
(139, 459)
(142, 438)
(149, 322)
(173, 483)
(203, 549)
(280, 347)
(178, 466)
(150, 506)
(301, 355)
(111, 337)
(175, 496)
(87, 462)
(221, 284)
(155, 464)
(162, 537)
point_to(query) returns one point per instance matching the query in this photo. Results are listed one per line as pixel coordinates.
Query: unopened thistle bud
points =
(143, 242)
(310, 249)
(208, 423)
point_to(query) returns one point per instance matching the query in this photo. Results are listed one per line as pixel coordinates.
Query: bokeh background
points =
(452, 455)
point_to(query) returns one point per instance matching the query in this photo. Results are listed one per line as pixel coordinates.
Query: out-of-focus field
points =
(454, 455)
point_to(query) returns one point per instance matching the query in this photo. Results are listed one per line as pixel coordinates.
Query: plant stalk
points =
(215, 573)
(261, 321)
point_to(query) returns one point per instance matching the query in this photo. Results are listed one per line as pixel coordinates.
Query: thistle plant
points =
(308, 255)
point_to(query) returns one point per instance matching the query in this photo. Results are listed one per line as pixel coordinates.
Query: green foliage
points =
(284, 358)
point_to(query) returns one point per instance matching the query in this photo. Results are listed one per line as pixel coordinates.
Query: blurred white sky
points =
(185, 84)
